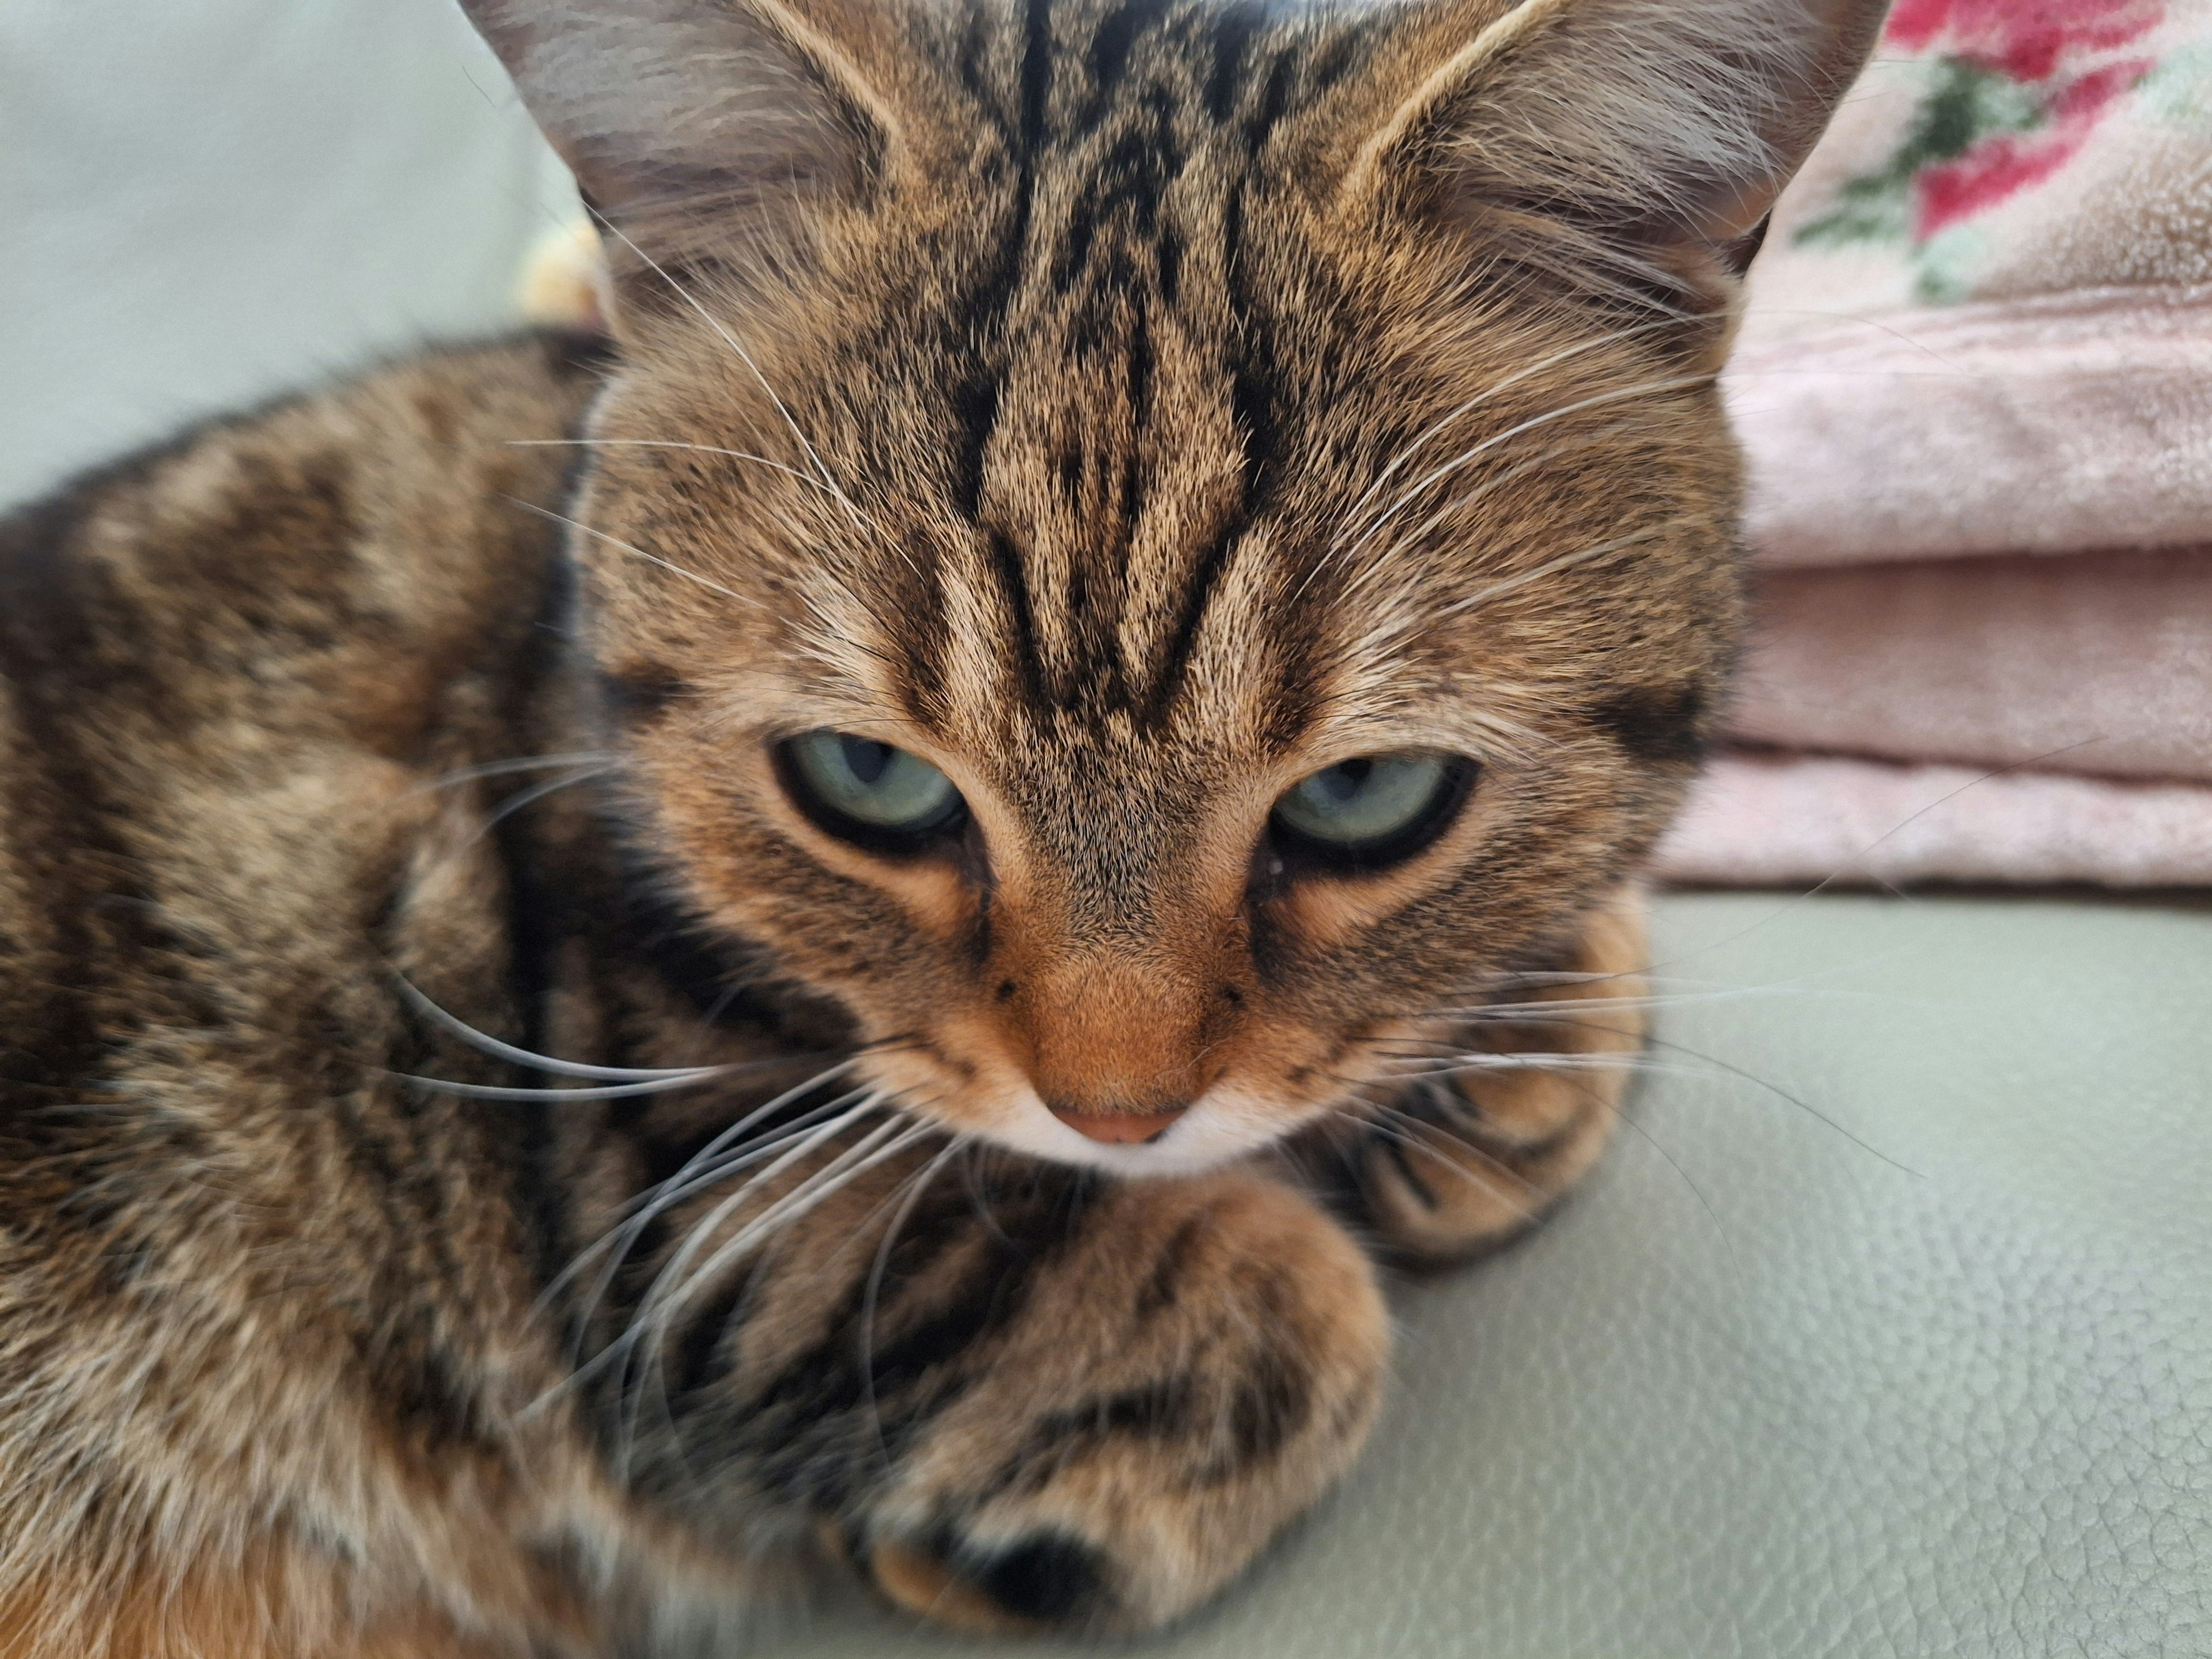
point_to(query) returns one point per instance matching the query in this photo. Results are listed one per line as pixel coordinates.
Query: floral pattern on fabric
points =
(2012, 89)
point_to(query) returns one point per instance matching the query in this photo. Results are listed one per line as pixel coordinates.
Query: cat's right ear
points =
(701, 131)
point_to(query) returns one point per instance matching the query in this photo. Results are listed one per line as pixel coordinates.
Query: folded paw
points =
(1517, 1107)
(1201, 1361)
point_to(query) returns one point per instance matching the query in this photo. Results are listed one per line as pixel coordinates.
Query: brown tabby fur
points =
(1129, 408)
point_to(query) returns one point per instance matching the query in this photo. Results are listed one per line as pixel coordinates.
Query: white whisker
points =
(819, 467)
(528, 763)
(1444, 470)
(638, 552)
(909, 1194)
(492, 1045)
(1413, 448)
(673, 1286)
(678, 1278)
(1458, 505)
(805, 478)
(510, 805)
(618, 1242)
(597, 1092)
(621, 1240)
(730, 341)
(1421, 1142)
(1465, 1060)
(1565, 561)
(1555, 1007)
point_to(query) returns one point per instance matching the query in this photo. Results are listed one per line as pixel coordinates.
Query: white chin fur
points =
(1221, 1126)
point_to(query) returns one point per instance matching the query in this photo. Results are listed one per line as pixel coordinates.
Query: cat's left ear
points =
(1659, 132)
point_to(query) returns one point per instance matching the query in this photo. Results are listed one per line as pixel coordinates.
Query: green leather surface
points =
(1933, 1376)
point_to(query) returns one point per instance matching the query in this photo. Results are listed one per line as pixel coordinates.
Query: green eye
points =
(869, 792)
(1374, 809)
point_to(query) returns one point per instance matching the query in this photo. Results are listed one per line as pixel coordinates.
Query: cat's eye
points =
(1371, 810)
(870, 792)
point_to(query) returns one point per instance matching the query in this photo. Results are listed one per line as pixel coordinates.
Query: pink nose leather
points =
(1117, 1128)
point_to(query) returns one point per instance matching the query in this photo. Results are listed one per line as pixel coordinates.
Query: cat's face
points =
(1146, 586)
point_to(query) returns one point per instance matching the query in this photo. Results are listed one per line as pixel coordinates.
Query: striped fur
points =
(482, 1172)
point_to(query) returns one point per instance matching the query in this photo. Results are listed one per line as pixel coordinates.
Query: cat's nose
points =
(1119, 1129)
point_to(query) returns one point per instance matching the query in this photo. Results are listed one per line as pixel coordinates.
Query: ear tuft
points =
(1658, 127)
(690, 124)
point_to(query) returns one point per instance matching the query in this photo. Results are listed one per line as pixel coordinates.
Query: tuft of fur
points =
(483, 1172)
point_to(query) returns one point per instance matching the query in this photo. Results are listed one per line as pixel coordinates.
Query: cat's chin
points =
(1222, 1126)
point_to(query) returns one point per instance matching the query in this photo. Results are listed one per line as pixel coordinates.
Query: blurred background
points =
(209, 204)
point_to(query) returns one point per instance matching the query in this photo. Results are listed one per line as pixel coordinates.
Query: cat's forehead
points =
(1150, 453)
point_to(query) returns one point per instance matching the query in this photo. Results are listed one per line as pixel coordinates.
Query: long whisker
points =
(910, 1195)
(1564, 561)
(1524, 1008)
(2029, 763)
(1463, 1060)
(638, 552)
(723, 1155)
(1458, 505)
(673, 1287)
(674, 1279)
(622, 1239)
(805, 478)
(1413, 448)
(821, 468)
(510, 805)
(831, 1180)
(1735, 1263)
(1451, 1062)
(730, 340)
(557, 1095)
(1421, 1142)
(493, 1046)
(1783, 1094)
(1444, 470)
(699, 1171)
(527, 763)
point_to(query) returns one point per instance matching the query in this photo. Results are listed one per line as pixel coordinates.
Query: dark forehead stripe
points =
(1107, 113)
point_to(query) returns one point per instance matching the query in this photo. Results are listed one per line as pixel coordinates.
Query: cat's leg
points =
(1020, 1396)
(1523, 1100)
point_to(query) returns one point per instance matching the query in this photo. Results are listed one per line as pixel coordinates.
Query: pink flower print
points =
(2003, 162)
(2015, 89)
(2023, 39)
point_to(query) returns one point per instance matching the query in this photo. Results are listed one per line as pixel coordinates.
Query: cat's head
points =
(1146, 547)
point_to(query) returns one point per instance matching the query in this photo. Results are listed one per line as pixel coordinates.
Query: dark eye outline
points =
(1300, 851)
(903, 841)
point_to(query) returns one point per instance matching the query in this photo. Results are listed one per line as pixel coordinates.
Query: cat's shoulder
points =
(296, 561)
(410, 496)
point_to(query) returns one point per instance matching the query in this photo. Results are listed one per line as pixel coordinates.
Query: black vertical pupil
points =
(865, 758)
(1344, 780)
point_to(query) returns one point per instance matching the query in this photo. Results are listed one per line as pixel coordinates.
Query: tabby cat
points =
(849, 926)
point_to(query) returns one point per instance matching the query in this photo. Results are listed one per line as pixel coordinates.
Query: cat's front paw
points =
(1515, 1109)
(1197, 1369)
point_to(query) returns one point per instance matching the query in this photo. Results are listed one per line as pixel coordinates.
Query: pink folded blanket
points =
(1974, 385)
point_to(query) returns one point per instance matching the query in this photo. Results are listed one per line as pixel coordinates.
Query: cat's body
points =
(331, 763)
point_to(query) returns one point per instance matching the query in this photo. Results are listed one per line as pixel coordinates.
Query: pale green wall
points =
(203, 201)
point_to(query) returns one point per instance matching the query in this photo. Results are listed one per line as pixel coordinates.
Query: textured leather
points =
(1916, 1363)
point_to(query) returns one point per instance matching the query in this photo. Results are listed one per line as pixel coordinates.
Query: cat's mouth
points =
(1225, 1122)
(1286, 1080)
(1219, 1126)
